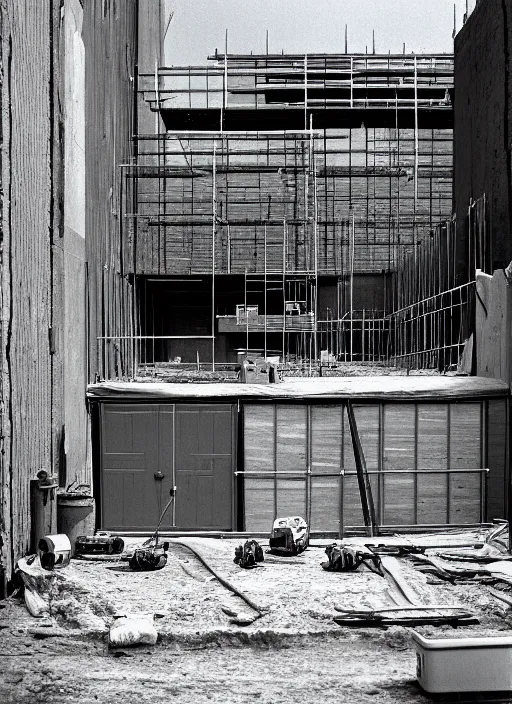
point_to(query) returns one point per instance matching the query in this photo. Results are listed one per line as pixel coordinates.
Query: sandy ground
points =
(293, 653)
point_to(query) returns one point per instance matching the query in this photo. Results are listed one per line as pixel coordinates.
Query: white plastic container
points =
(464, 664)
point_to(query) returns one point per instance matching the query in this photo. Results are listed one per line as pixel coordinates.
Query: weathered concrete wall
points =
(493, 336)
(483, 123)
(74, 266)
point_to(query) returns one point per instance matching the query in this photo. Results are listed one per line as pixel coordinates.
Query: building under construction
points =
(276, 205)
(296, 207)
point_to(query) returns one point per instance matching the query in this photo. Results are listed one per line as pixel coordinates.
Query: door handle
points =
(159, 475)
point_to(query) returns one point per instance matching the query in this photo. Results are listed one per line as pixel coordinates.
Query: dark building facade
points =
(482, 139)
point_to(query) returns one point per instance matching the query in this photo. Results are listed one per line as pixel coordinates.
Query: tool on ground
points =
(249, 554)
(54, 551)
(347, 558)
(152, 555)
(102, 543)
(290, 536)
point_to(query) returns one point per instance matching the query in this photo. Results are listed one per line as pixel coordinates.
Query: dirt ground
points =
(293, 653)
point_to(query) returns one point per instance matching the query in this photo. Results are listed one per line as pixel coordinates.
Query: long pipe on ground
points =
(259, 610)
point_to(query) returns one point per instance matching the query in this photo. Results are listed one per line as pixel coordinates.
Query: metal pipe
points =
(214, 230)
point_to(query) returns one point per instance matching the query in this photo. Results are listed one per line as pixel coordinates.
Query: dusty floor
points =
(293, 653)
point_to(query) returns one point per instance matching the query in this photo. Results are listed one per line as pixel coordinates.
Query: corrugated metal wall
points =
(29, 223)
(68, 70)
(110, 38)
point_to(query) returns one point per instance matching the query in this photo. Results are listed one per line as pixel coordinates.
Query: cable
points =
(259, 610)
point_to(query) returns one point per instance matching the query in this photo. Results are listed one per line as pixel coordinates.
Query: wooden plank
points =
(325, 503)
(465, 453)
(326, 458)
(258, 443)
(258, 438)
(497, 459)
(259, 503)
(326, 426)
(291, 497)
(291, 437)
(399, 453)
(432, 453)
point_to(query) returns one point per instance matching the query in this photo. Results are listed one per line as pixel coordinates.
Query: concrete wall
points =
(74, 266)
(483, 123)
(493, 336)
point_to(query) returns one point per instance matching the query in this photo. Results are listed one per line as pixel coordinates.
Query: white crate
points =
(464, 664)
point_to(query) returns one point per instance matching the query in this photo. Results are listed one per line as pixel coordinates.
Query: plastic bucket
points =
(75, 516)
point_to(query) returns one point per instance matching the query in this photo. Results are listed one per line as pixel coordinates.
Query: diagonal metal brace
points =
(365, 488)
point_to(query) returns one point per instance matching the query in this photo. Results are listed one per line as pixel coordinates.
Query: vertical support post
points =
(362, 338)
(415, 477)
(351, 83)
(229, 248)
(225, 85)
(305, 92)
(416, 144)
(174, 463)
(275, 461)
(157, 97)
(246, 315)
(308, 464)
(214, 229)
(448, 462)
(352, 254)
(284, 287)
(315, 237)
(365, 488)
(483, 461)
(265, 290)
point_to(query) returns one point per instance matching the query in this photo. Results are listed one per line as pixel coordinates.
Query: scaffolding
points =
(287, 172)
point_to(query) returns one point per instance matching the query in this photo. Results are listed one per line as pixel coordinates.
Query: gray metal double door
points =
(146, 449)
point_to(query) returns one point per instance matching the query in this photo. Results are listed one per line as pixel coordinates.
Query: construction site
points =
(292, 206)
(256, 363)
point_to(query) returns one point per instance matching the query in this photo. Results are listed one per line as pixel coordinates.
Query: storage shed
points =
(240, 454)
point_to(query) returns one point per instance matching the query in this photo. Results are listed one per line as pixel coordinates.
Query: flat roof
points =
(386, 388)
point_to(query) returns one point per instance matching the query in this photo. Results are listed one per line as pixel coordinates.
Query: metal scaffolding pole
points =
(214, 230)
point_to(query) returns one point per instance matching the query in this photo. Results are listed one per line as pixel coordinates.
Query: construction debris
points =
(345, 558)
(249, 554)
(132, 630)
(54, 551)
(408, 610)
(37, 583)
(149, 558)
(400, 616)
(102, 543)
(290, 536)
(153, 554)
